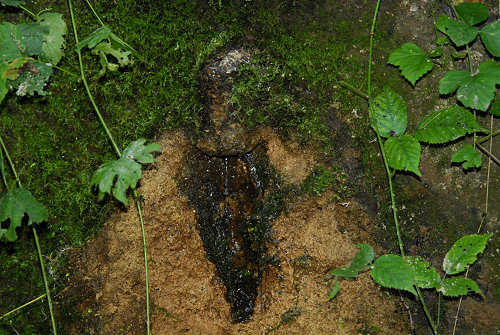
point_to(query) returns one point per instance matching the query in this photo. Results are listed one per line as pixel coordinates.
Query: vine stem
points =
(386, 163)
(84, 80)
(379, 139)
(118, 152)
(22, 306)
(146, 273)
(38, 249)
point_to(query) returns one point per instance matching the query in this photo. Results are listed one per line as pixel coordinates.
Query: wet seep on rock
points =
(229, 182)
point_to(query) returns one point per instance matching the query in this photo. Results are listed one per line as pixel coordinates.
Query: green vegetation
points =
(401, 152)
(302, 57)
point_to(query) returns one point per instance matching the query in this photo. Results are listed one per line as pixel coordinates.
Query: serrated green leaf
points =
(53, 40)
(389, 114)
(446, 125)
(458, 286)
(33, 79)
(467, 155)
(452, 80)
(393, 271)
(363, 257)
(412, 61)
(137, 151)
(472, 13)
(464, 252)
(459, 32)
(14, 205)
(403, 153)
(334, 291)
(494, 108)
(96, 37)
(31, 38)
(11, 49)
(478, 91)
(490, 35)
(120, 55)
(124, 170)
(14, 3)
(424, 276)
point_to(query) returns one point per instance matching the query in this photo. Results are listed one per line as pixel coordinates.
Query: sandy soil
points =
(186, 295)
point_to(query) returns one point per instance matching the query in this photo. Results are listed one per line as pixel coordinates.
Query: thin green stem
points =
(45, 282)
(429, 318)
(492, 134)
(11, 164)
(95, 14)
(353, 89)
(379, 139)
(47, 291)
(84, 80)
(65, 71)
(22, 306)
(27, 11)
(139, 210)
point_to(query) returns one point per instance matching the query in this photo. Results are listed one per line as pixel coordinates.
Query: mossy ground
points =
(293, 85)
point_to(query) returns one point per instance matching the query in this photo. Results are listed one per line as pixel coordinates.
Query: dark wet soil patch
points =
(235, 199)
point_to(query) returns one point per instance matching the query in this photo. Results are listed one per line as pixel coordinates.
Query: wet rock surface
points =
(222, 133)
(228, 180)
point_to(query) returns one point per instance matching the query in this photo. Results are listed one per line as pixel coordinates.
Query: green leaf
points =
(478, 91)
(472, 13)
(125, 171)
(443, 41)
(458, 55)
(14, 3)
(423, 275)
(53, 40)
(494, 108)
(3, 81)
(105, 48)
(363, 257)
(458, 286)
(446, 125)
(469, 155)
(393, 271)
(14, 205)
(490, 35)
(360, 260)
(452, 80)
(389, 114)
(459, 32)
(412, 61)
(346, 272)
(438, 52)
(96, 37)
(334, 291)
(137, 151)
(11, 48)
(31, 38)
(464, 252)
(403, 153)
(33, 79)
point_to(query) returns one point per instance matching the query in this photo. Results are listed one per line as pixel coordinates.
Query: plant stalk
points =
(45, 282)
(22, 306)
(84, 80)
(379, 139)
(146, 273)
